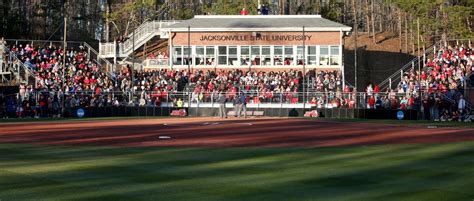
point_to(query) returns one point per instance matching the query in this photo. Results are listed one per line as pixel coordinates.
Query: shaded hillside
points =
(375, 62)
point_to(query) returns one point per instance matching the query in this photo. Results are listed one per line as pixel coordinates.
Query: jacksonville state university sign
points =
(255, 38)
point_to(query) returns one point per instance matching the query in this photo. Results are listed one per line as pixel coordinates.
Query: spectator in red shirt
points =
(376, 89)
(244, 11)
(371, 102)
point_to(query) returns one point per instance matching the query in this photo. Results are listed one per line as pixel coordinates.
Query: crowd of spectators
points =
(261, 87)
(82, 84)
(437, 90)
(80, 80)
(161, 58)
(159, 55)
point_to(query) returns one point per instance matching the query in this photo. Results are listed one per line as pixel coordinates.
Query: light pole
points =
(189, 48)
(133, 62)
(304, 70)
(63, 88)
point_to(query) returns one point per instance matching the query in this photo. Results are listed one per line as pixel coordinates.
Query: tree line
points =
(416, 23)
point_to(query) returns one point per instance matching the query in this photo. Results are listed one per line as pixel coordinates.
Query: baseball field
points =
(235, 159)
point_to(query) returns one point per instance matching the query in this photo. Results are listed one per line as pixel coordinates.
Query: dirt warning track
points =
(213, 132)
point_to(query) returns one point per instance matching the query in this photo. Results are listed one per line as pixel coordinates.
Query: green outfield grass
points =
(409, 122)
(390, 172)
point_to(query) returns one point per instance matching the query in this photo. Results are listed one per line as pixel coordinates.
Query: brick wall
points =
(243, 68)
(313, 38)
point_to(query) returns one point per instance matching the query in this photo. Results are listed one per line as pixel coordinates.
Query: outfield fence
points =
(205, 99)
(156, 103)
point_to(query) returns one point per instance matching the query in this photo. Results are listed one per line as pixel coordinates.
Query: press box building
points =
(268, 42)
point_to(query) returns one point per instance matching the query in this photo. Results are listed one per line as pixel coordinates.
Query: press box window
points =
(178, 55)
(255, 51)
(200, 56)
(335, 55)
(222, 52)
(311, 55)
(324, 56)
(266, 59)
(210, 56)
(278, 55)
(289, 55)
(244, 55)
(233, 56)
(187, 56)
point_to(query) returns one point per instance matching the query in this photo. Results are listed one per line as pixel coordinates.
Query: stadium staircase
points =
(469, 106)
(104, 64)
(154, 46)
(142, 34)
(95, 57)
(18, 73)
(468, 92)
(26, 75)
(393, 80)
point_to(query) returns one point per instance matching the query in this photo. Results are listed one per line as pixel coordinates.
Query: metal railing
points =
(396, 77)
(137, 38)
(457, 42)
(92, 54)
(22, 68)
(24, 72)
(469, 106)
(100, 61)
(208, 99)
(170, 100)
(106, 49)
(42, 42)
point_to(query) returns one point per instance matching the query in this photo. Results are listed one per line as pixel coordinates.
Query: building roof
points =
(257, 23)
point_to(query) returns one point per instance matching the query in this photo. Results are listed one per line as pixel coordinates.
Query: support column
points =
(170, 50)
(341, 58)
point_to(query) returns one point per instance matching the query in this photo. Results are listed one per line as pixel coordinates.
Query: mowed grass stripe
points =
(391, 172)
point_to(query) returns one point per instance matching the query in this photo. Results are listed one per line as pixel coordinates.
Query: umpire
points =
(243, 104)
(237, 105)
(222, 100)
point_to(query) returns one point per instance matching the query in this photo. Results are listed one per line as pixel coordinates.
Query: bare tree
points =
(356, 35)
(400, 28)
(374, 40)
(406, 32)
(367, 17)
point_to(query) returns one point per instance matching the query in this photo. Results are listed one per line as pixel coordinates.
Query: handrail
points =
(255, 98)
(469, 107)
(42, 41)
(393, 77)
(349, 84)
(97, 55)
(466, 86)
(143, 33)
(130, 36)
(458, 40)
(247, 92)
(26, 69)
(385, 84)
